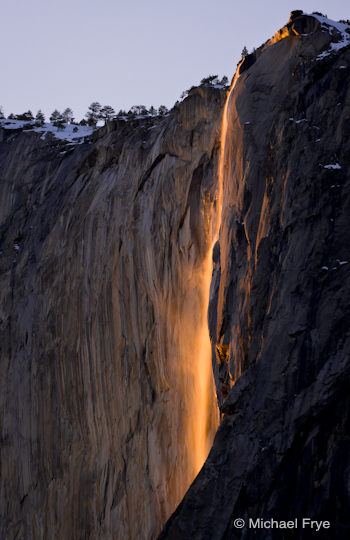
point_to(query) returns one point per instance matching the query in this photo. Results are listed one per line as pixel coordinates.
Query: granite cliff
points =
(279, 311)
(108, 409)
(107, 402)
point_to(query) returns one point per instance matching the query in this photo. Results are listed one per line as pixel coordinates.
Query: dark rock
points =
(281, 301)
(305, 24)
(247, 62)
(296, 13)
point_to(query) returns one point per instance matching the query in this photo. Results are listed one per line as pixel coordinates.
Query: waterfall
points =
(202, 426)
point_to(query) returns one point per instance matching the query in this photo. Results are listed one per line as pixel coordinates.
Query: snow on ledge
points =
(66, 133)
(332, 166)
(329, 25)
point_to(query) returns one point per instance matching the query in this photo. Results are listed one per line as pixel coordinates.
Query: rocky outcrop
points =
(279, 312)
(102, 314)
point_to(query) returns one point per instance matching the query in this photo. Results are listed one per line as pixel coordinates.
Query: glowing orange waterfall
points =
(222, 160)
(203, 426)
(193, 415)
(207, 420)
(196, 374)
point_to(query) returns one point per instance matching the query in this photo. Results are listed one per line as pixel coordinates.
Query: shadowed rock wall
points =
(279, 313)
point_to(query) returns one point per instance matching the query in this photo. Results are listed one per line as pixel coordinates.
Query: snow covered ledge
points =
(339, 32)
(303, 24)
(74, 134)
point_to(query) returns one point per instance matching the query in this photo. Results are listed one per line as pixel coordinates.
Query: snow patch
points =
(332, 166)
(340, 263)
(329, 25)
(298, 121)
(69, 132)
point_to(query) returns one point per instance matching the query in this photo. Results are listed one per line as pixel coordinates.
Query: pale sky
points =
(68, 53)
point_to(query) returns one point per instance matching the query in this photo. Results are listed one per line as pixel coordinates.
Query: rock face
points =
(105, 420)
(279, 311)
(107, 403)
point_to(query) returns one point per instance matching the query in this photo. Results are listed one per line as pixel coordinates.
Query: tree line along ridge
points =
(105, 113)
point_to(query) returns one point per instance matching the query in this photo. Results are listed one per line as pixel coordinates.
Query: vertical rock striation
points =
(104, 418)
(107, 405)
(279, 312)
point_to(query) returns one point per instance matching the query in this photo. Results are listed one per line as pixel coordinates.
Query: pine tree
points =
(224, 81)
(212, 79)
(1, 113)
(138, 110)
(39, 118)
(26, 116)
(107, 113)
(57, 119)
(68, 115)
(162, 110)
(93, 113)
(152, 111)
(244, 51)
